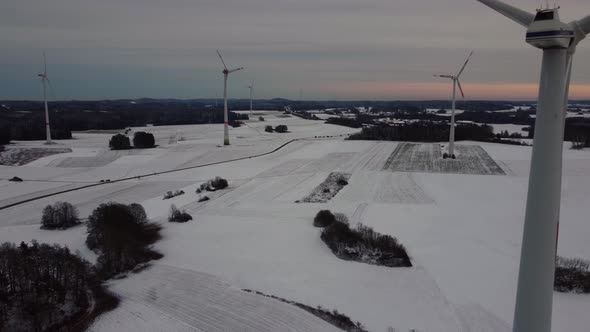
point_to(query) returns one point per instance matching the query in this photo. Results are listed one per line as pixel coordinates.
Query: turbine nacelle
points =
(544, 30)
(547, 31)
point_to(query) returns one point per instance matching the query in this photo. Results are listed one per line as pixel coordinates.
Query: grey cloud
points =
(284, 44)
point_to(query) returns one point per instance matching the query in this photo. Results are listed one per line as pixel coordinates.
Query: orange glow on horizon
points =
(443, 90)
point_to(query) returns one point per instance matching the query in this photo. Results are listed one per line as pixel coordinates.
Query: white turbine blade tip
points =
(465, 64)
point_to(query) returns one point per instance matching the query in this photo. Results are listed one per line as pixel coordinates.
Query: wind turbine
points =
(45, 81)
(558, 41)
(456, 82)
(251, 87)
(226, 73)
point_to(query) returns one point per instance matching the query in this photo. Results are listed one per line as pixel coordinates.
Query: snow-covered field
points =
(463, 232)
(413, 157)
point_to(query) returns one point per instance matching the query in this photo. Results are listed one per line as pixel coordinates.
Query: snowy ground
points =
(22, 156)
(415, 157)
(463, 232)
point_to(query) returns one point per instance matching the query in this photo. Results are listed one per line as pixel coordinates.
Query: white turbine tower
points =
(251, 87)
(456, 82)
(558, 41)
(45, 81)
(226, 73)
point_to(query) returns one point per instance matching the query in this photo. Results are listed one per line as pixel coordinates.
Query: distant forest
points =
(25, 120)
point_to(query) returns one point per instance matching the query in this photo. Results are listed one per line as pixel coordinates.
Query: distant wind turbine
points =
(226, 73)
(45, 81)
(456, 82)
(558, 40)
(251, 87)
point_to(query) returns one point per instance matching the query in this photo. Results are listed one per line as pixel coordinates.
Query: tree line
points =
(423, 131)
(25, 120)
(46, 287)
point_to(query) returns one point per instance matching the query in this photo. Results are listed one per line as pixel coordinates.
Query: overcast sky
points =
(329, 49)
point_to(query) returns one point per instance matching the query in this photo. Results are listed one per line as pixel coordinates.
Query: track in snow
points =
(414, 157)
(206, 303)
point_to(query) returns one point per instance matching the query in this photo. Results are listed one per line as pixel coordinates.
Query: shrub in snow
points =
(323, 218)
(363, 244)
(281, 129)
(170, 194)
(219, 183)
(204, 198)
(268, 129)
(16, 179)
(260, 118)
(326, 190)
(119, 142)
(572, 275)
(60, 215)
(177, 215)
(143, 140)
(122, 237)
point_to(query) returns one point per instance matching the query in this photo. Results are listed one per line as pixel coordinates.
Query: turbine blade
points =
(517, 15)
(464, 65)
(460, 88)
(224, 66)
(584, 24)
(444, 76)
(233, 70)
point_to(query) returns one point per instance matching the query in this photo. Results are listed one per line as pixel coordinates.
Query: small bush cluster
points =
(326, 190)
(572, 275)
(143, 140)
(214, 184)
(268, 129)
(578, 145)
(219, 183)
(446, 156)
(260, 118)
(120, 142)
(16, 179)
(60, 215)
(170, 194)
(363, 244)
(281, 129)
(177, 215)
